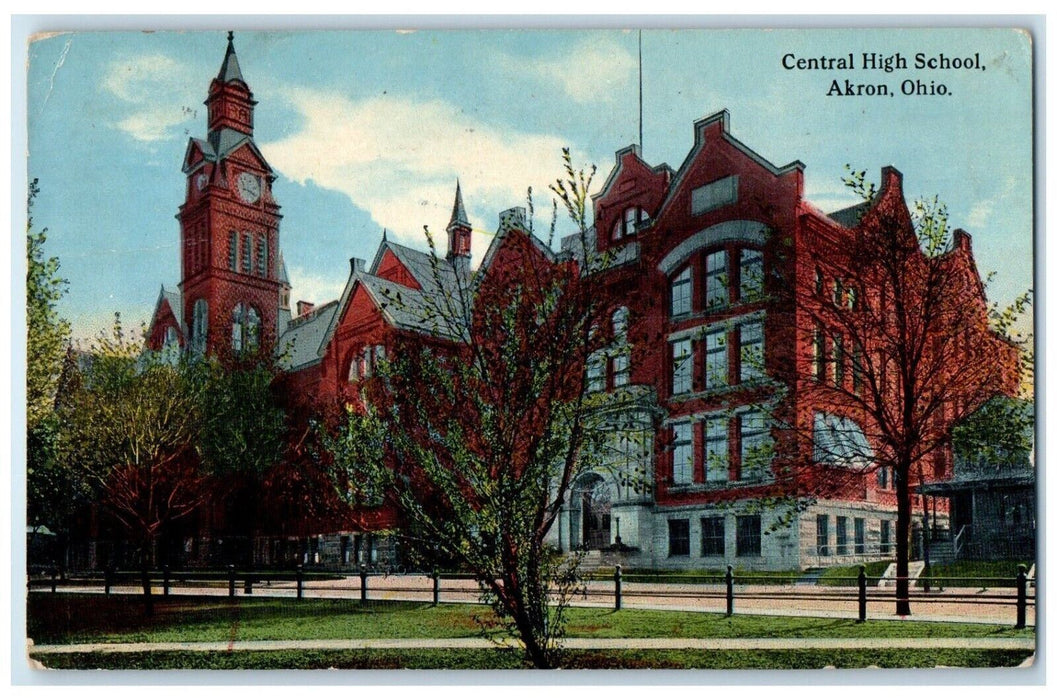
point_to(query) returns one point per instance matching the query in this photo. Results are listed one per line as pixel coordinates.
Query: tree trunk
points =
(145, 560)
(903, 516)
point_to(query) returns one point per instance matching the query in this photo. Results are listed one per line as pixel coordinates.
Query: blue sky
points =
(369, 130)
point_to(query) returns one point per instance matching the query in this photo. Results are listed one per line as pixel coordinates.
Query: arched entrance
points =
(595, 507)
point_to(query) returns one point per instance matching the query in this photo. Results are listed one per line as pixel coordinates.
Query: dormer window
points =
(629, 223)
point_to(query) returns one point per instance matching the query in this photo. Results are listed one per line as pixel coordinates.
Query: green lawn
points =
(849, 575)
(509, 659)
(977, 570)
(61, 618)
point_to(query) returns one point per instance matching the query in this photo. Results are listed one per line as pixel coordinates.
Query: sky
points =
(370, 130)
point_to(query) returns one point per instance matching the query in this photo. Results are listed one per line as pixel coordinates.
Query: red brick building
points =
(701, 343)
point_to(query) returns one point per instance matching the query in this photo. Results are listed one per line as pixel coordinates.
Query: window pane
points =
(717, 463)
(262, 256)
(748, 539)
(713, 537)
(842, 535)
(621, 370)
(751, 273)
(860, 536)
(678, 538)
(682, 293)
(751, 355)
(596, 373)
(716, 359)
(714, 195)
(682, 367)
(233, 251)
(682, 454)
(247, 253)
(755, 446)
(716, 279)
(822, 535)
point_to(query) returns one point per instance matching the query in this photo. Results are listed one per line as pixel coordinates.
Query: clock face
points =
(201, 180)
(249, 186)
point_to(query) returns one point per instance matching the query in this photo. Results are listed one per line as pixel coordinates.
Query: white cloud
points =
(980, 213)
(306, 285)
(398, 158)
(155, 90)
(596, 69)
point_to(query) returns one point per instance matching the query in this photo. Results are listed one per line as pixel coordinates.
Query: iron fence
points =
(848, 596)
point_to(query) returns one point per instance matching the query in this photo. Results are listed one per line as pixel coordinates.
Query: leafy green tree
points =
(129, 430)
(51, 492)
(475, 435)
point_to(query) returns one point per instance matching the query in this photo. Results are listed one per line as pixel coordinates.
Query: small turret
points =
(458, 229)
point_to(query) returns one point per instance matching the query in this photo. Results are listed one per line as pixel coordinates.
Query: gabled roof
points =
(511, 220)
(408, 309)
(302, 343)
(420, 265)
(220, 144)
(849, 217)
(175, 301)
(700, 126)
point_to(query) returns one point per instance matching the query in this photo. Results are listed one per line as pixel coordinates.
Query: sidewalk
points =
(713, 644)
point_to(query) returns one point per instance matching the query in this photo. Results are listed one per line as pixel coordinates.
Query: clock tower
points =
(231, 274)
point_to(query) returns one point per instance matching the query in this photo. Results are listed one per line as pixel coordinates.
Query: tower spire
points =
(229, 69)
(458, 212)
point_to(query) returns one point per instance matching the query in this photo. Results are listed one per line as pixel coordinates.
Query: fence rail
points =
(619, 590)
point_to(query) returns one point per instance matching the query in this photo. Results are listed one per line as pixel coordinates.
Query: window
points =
(596, 373)
(717, 293)
(682, 453)
(838, 361)
(748, 540)
(842, 535)
(678, 538)
(852, 298)
(200, 326)
(751, 273)
(366, 362)
(713, 537)
(751, 355)
(262, 256)
(856, 369)
(840, 441)
(714, 195)
(621, 370)
(822, 535)
(817, 350)
(620, 324)
(354, 369)
(716, 359)
(838, 291)
(820, 285)
(630, 222)
(682, 293)
(247, 253)
(755, 445)
(717, 464)
(882, 477)
(860, 536)
(233, 251)
(245, 328)
(886, 536)
(682, 366)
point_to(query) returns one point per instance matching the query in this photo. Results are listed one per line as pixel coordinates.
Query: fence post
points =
(231, 580)
(730, 590)
(54, 579)
(436, 588)
(249, 583)
(107, 579)
(1022, 596)
(862, 593)
(363, 584)
(616, 587)
(300, 582)
(165, 580)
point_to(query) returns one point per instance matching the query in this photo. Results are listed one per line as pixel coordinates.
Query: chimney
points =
(304, 307)
(963, 241)
(512, 219)
(357, 265)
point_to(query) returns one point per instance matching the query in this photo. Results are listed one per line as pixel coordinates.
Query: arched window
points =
(245, 328)
(199, 326)
(365, 363)
(630, 222)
